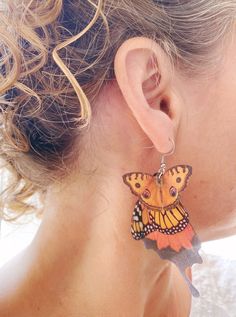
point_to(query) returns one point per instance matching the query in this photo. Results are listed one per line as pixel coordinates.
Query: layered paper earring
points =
(160, 219)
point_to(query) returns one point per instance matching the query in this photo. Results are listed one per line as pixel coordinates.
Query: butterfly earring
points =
(159, 217)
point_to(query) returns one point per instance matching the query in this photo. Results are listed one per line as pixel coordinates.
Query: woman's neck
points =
(83, 261)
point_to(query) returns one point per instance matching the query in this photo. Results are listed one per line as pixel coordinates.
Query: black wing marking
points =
(139, 229)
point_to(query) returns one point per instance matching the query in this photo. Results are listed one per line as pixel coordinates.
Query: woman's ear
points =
(144, 74)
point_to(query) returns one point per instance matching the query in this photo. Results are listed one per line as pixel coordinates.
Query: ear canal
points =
(165, 106)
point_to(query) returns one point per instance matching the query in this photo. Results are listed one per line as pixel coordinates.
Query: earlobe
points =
(143, 73)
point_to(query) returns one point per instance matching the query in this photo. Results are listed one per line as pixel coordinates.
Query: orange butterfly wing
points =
(145, 187)
(138, 182)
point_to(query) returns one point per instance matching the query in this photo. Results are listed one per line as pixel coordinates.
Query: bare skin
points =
(83, 260)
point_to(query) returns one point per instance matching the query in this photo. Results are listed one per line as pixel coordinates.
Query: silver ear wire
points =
(162, 168)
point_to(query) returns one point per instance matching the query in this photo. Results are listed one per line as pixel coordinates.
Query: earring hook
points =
(162, 168)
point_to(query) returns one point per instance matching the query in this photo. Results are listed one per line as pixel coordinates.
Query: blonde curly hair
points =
(55, 56)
